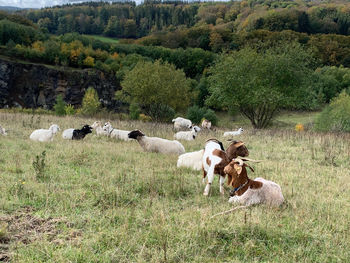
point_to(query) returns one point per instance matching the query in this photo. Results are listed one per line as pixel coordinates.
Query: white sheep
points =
(155, 144)
(44, 135)
(182, 123)
(2, 131)
(115, 133)
(250, 192)
(233, 133)
(187, 135)
(97, 126)
(191, 160)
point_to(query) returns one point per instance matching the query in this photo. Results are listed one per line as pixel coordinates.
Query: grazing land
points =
(102, 200)
(109, 40)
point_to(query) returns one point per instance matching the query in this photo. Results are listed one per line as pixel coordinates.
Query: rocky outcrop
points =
(35, 85)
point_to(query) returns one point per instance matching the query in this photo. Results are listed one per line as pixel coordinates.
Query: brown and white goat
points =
(215, 158)
(250, 192)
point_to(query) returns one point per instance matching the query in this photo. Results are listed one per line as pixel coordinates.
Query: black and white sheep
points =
(75, 134)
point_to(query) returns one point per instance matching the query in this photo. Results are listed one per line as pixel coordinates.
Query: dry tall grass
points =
(102, 200)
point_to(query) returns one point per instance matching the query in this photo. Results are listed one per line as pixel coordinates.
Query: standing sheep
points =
(187, 135)
(182, 123)
(155, 144)
(250, 192)
(43, 135)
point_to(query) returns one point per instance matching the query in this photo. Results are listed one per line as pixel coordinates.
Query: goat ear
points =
(238, 168)
(238, 144)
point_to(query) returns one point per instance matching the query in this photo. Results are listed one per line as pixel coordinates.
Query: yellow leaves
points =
(115, 55)
(299, 127)
(89, 61)
(38, 46)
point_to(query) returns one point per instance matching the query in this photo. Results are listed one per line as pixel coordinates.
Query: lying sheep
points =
(206, 124)
(182, 123)
(191, 160)
(97, 126)
(115, 133)
(75, 134)
(233, 133)
(2, 131)
(155, 144)
(187, 135)
(250, 192)
(215, 159)
(43, 135)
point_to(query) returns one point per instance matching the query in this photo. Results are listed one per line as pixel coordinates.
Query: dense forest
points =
(196, 38)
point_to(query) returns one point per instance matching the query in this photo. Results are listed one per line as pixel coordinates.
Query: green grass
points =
(104, 39)
(102, 200)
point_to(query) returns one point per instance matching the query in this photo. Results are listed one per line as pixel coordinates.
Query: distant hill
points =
(12, 9)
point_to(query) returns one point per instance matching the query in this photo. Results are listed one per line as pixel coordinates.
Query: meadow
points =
(102, 200)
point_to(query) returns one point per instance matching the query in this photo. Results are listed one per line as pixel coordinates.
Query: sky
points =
(37, 3)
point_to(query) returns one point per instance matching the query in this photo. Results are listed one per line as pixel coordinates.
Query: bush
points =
(336, 116)
(59, 106)
(69, 109)
(134, 111)
(211, 116)
(91, 103)
(196, 114)
(161, 112)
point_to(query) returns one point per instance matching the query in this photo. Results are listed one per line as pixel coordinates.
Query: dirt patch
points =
(24, 227)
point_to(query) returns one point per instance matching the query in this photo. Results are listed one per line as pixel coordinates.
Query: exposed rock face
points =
(35, 85)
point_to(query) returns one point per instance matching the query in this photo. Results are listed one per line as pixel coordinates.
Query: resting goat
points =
(182, 123)
(187, 135)
(206, 124)
(191, 160)
(97, 126)
(233, 133)
(115, 133)
(2, 131)
(75, 134)
(155, 144)
(215, 159)
(44, 135)
(250, 192)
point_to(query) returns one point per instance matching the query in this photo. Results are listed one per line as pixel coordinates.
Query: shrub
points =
(59, 106)
(91, 103)
(161, 112)
(196, 114)
(134, 111)
(336, 116)
(211, 116)
(69, 109)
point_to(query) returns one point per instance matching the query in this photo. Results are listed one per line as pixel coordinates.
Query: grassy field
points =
(104, 39)
(101, 200)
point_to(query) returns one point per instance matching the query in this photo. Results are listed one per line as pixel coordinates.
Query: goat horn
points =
(251, 160)
(240, 161)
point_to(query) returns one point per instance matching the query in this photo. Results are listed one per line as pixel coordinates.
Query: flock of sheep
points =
(213, 159)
